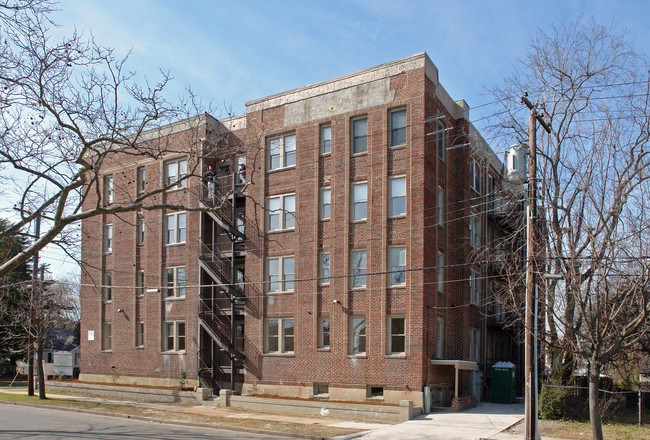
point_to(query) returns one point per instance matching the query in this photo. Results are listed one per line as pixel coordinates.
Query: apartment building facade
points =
(347, 262)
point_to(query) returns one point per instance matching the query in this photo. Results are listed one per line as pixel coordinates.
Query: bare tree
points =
(594, 181)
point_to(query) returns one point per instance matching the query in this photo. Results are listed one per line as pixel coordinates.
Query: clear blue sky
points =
(233, 52)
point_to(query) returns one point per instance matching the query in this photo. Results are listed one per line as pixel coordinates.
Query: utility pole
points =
(531, 300)
(33, 293)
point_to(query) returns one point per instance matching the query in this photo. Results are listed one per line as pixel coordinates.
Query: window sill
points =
(182, 243)
(280, 355)
(402, 215)
(175, 353)
(174, 298)
(107, 351)
(361, 220)
(108, 253)
(397, 286)
(276, 170)
(398, 147)
(139, 347)
(171, 190)
(396, 356)
(358, 356)
(326, 219)
(328, 154)
(359, 154)
(280, 231)
(357, 289)
(280, 292)
(324, 349)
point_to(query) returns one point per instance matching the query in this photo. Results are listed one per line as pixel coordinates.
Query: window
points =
(174, 336)
(324, 269)
(175, 227)
(323, 333)
(139, 334)
(374, 392)
(440, 207)
(474, 175)
(359, 201)
(107, 337)
(280, 272)
(442, 140)
(108, 190)
(358, 268)
(474, 334)
(397, 266)
(475, 230)
(140, 229)
(139, 283)
(397, 127)
(176, 173)
(321, 390)
(474, 287)
(174, 282)
(278, 335)
(282, 152)
(325, 203)
(140, 179)
(108, 238)
(397, 196)
(281, 212)
(440, 338)
(441, 272)
(357, 335)
(325, 139)
(108, 287)
(396, 337)
(359, 135)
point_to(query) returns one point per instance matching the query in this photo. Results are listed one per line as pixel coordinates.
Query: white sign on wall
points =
(91, 335)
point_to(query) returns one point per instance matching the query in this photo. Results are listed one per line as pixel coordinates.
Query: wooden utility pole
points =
(531, 300)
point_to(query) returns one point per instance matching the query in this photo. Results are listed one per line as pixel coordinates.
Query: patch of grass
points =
(582, 430)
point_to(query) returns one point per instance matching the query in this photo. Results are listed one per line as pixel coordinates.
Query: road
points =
(23, 422)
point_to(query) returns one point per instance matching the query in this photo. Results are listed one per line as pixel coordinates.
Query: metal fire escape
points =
(221, 306)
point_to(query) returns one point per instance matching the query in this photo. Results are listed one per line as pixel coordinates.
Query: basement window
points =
(374, 392)
(321, 390)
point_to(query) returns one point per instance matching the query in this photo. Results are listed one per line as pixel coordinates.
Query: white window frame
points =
(441, 272)
(396, 194)
(140, 179)
(440, 338)
(474, 287)
(139, 334)
(475, 230)
(175, 234)
(107, 287)
(139, 283)
(173, 340)
(474, 344)
(324, 266)
(285, 341)
(361, 202)
(396, 265)
(109, 190)
(359, 272)
(107, 336)
(176, 286)
(140, 229)
(283, 278)
(397, 129)
(354, 136)
(440, 206)
(176, 179)
(283, 148)
(108, 238)
(390, 335)
(286, 217)
(474, 175)
(325, 210)
(325, 139)
(324, 334)
(357, 334)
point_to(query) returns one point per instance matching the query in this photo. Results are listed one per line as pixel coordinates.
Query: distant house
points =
(61, 355)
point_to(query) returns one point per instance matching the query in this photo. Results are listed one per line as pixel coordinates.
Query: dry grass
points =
(582, 430)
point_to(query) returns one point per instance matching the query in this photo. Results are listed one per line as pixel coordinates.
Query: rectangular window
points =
(280, 274)
(358, 268)
(176, 173)
(440, 338)
(474, 335)
(108, 190)
(282, 152)
(324, 269)
(108, 287)
(359, 201)
(397, 192)
(474, 175)
(359, 135)
(139, 283)
(174, 337)
(175, 227)
(139, 334)
(140, 229)
(442, 140)
(474, 287)
(475, 230)
(441, 272)
(374, 392)
(396, 337)
(175, 282)
(397, 266)
(323, 333)
(281, 214)
(140, 179)
(440, 206)
(325, 139)
(357, 335)
(107, 336)
(397, 127)
(108, 238)
(325, 203)
(321, 390)
(278, 335)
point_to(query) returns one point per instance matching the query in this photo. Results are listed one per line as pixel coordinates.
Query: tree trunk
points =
(594, 408)
(39, 366)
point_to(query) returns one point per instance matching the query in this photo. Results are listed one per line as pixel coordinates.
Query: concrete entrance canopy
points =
(458, 365)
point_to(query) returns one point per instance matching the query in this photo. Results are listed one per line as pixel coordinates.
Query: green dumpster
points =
(503, 383)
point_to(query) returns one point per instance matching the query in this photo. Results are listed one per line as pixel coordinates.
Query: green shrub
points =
(553, 402)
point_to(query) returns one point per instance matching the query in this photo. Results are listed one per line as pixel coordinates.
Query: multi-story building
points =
(347, 262)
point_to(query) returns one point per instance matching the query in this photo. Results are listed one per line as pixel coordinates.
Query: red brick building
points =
(343, 263)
